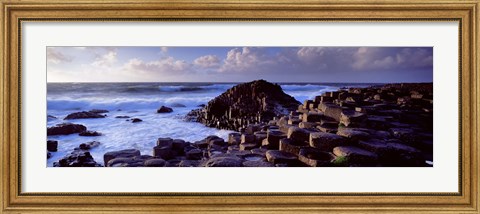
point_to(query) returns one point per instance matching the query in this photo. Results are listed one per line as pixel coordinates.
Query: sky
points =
(240, 64)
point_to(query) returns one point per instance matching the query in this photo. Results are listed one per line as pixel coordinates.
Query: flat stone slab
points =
(290, 146)
(355, 155)
(315, 158)
(257, 164)
(277, 157)
(127, 153)
(353, 134)
(224, 162)
(155, 162)
(326, 141)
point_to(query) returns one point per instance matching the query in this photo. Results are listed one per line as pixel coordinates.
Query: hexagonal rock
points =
(273, 139)
(194, 154)
(312, 117)
(331, 110)
(374, 145)
(179, 146)
(165, 153)
(257, 164)
(164, 142)
(280, 157)
(290, 146)
(314, 157)
(189, 163)
(353, 134)
(325, 141)
(224, 162)
(239, 154)
(259, 151)
(247, 138)
(259, 136)
(234, 138)
(127, 153)
(248, 146)
(405, 134)
(307, 125)
(403, 155)
(294, 121)
(217, 142)
(352, 118)
(137, 161)
(254, 157)
(154, 162)
(355, 155)
(298, 134)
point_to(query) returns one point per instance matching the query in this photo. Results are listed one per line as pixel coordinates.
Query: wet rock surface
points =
(84, 115)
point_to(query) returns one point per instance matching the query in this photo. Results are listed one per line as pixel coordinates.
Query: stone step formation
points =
(386, 126)
(247, 103)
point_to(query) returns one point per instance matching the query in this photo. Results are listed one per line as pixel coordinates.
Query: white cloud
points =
(247, 59)
(106, 60)
(164, 50)
(207, 61)
(56, 57)
(164, 66)
(369, 58)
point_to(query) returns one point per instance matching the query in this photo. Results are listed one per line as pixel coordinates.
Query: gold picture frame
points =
(15, 12)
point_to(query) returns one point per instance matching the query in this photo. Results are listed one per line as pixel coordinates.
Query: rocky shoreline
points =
(389, 126)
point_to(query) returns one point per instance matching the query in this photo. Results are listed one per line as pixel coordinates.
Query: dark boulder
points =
(164, 109)
(136, 120)
(90, 133)
(89, 145)
(78, 158)
(52, 145)
(65, 129)
(83, 115)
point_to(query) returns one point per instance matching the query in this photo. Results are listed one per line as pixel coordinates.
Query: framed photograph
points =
(228, 106)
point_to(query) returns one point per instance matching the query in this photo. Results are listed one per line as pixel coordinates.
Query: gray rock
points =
(155, 162)
(194, 154)
(127, 153)
(257, 164)
(314, 157)
(224, 162)
(276, 157)
(355, 156)
(326, 141)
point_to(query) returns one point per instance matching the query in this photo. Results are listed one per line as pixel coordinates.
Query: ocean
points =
(141, 100)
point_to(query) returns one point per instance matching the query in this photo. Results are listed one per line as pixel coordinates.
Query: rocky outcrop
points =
(90, 133)
(78, 158)
(65, 129)
(248, 103)
(83, 115)
(164, 109)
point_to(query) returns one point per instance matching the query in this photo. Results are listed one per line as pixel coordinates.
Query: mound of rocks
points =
(247, 103)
